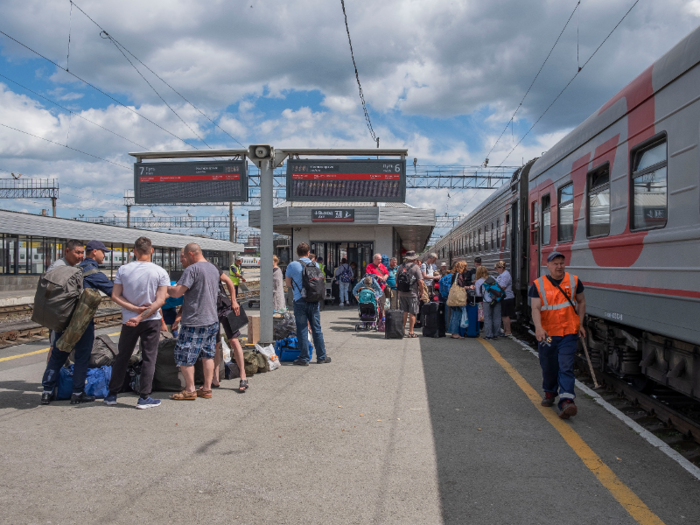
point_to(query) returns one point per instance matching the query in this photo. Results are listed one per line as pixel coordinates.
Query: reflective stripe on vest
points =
(558, 317)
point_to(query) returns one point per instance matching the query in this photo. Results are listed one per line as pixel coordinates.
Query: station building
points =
(30, 243)
(353, 230)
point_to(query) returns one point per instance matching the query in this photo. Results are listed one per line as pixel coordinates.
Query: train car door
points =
(534, 270)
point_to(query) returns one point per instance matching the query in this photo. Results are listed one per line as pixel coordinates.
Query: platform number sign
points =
(346, 180)
(184, 182)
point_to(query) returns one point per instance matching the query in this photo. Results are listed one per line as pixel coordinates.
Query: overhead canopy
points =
(16, 223)
(414, 225)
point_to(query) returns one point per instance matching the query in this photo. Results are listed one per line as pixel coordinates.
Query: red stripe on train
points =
(658, 291)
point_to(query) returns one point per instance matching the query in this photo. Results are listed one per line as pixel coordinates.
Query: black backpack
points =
(313, 283)
(404, 279)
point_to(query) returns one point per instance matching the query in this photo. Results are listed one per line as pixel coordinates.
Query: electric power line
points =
(119, 44)
(570, 81)
(96, 89)
(73, 113)
(65, 146)
(512, 118)
(357, 76)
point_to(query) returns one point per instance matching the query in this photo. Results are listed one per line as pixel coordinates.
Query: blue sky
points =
(441, 79)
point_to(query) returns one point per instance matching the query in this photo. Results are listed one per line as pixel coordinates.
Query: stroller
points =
(369, 313)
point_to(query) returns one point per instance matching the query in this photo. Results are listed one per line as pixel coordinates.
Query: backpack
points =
(56, 295)
(313, 283)
(445, 285)
(404, 279)
(346, 274)
(385, 260)
(494, 290)
(366, 295)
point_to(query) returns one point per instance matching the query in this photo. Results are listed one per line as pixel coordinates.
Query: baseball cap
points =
(444, 264)
(96, 245)
(553, 256)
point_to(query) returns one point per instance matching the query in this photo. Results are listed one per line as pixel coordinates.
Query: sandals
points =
(243, 386)
(206, 394)
(184, 396)
(412, 336)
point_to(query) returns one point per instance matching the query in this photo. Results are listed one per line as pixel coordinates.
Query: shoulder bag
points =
(457, 297)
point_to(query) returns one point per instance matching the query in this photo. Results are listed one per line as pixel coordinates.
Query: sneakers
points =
(342, 305)
(143, 404)
(568, 409)
(299, 362)
(110, 400)
(324, 360)
(548, 399)
(46, 397)
(76, 399)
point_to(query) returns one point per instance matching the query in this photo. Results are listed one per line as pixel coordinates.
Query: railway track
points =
(28, 331)
(669, 415)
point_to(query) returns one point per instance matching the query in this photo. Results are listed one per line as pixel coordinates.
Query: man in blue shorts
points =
(199, 324)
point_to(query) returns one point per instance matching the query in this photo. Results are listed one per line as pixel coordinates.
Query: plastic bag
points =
(225, 350)
(464, 323)
(284, 326)
(269, 353)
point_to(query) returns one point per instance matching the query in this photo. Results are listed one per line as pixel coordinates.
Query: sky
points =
(441, 79)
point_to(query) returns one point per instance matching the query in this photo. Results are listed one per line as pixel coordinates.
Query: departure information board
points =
(175, 182)
(346, 180)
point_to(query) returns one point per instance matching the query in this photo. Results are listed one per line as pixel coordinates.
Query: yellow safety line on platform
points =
(623, 494)
(35, 352)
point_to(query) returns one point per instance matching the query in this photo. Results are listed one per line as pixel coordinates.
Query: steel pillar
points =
(266, 249)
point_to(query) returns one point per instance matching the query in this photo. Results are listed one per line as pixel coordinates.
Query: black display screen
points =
(346, 180)
(183, 182)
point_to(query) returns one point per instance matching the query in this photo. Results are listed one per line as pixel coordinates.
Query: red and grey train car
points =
(619, 196)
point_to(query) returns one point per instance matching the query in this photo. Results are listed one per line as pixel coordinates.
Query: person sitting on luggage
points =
(92, 278)
(140, 288)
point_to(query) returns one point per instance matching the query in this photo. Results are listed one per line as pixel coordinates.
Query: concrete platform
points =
(405, 431)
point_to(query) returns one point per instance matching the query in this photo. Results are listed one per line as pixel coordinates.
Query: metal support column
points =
(266, 249)
(53, 205)
(128, 216)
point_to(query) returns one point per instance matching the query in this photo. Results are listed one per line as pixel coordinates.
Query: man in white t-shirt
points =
(140, 288)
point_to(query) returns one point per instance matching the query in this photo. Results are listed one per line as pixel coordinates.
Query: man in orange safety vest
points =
(558, 309)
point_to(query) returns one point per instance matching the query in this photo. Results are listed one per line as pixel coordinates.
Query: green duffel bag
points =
(84, 312)
(263, 365)
(251, 363)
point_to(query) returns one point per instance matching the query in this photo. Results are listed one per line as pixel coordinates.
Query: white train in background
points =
(250, 262)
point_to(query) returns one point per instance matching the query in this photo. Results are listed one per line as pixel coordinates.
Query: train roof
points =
(670, 66)
(18, 223)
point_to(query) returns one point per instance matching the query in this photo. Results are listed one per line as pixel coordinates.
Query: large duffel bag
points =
(104, 352)
(96, 383)
(284, 326)
(288, 349)
(393, 324)
(167, 376)
(432, 322)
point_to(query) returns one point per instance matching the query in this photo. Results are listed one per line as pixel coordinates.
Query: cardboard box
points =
(253, 328)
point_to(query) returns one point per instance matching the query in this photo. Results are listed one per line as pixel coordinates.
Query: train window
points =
(493, 245)
(598, 221)
(546, 220)
(650, 186)
(507, 227)
(478, 241)
(534, 224)
(498, 233)
(565, 231)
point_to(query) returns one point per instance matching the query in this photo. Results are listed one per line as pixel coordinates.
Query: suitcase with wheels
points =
(442, 327)
(473, 314)
(431, 320)
(393, 324)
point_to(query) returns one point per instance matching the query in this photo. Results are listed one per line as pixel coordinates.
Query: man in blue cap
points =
(92, 278)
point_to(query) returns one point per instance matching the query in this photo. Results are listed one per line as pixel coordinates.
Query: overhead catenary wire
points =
(98, 89)
(70, 29)
(570, 81)
(73, 112)
(520, 105)
(357, 77)
(65, 146)
(120, 45)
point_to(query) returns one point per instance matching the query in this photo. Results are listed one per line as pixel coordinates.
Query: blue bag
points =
(96, 384)
(385, 261)
(491, 287)
(445, 285)
(288, 349)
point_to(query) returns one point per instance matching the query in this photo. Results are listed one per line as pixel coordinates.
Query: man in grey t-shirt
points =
(199, 323)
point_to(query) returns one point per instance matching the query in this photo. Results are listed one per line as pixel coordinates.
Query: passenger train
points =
(619, 197)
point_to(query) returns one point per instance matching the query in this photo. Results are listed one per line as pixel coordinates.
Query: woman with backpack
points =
(491, 307)
(454, 313)
(505, 281)
(344, 275)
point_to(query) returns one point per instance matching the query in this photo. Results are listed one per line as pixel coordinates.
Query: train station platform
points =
(405, 431)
